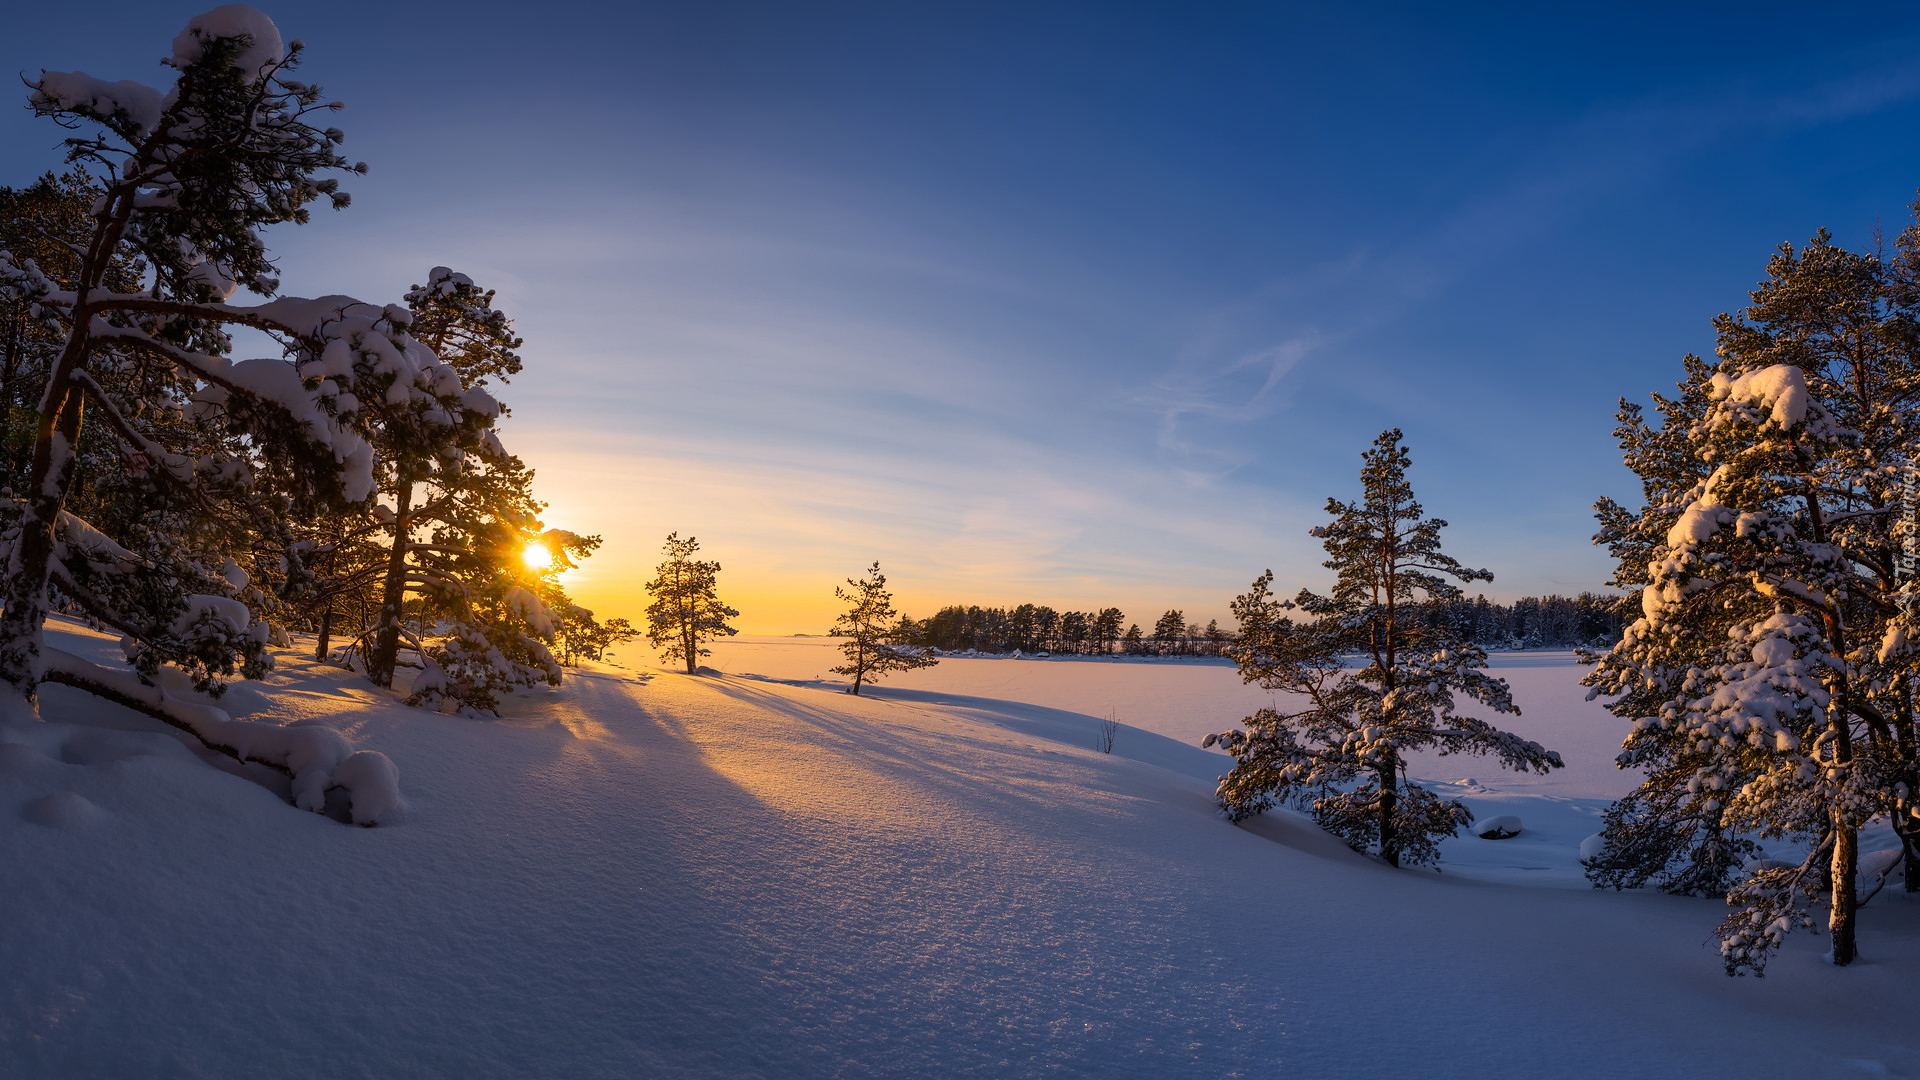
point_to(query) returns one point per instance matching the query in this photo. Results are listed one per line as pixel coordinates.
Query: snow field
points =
(650, 874)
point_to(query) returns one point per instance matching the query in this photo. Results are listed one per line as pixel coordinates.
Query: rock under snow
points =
(1879, 864)
(1499, 828)
(373, 781)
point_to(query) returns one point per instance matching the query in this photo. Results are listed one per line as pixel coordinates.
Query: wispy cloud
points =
(1604, 155)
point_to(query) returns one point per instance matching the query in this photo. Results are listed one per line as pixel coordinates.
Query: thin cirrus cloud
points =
(1605, 155)
(809, 373)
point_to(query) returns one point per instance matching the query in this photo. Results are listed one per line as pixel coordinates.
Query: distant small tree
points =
(1134, 643)
(908, 631)
(872, 646)
(686, 609)
(1344, 748)
(584, 637)
(1216, 638)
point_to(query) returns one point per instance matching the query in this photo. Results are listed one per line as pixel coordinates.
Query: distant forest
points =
(1533, 622)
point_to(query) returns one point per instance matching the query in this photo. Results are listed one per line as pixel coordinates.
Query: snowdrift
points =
(652, 874)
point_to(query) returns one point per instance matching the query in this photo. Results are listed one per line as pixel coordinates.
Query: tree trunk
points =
(1389, 797)
(1904, 806)
(1846, 850)
(6, 396)
(1840, 920)
(22, 622)
(1909, 851)
(386, 641)
(326, 636)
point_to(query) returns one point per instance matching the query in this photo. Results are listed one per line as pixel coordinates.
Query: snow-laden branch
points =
(317, 758)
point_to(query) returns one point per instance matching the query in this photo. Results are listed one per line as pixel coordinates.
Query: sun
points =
(537, 556)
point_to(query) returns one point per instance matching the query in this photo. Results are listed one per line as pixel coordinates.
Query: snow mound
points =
(310, 753)
(1879, 864)
(93, 747)
(1503, 827)
(1591, 847)
(373, 781)
(19, 758)
(63, 810)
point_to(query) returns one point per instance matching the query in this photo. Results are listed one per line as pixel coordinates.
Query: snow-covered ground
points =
(1185, 699)
(647, 874)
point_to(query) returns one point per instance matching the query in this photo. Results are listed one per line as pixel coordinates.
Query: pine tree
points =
(1106, 628)
(686, 608)
(583, 637)
(195, 459)
(441, 462)
(1134, 644)
(1169, 634)
(1344, 750)
(872, 647)
(1769, 676)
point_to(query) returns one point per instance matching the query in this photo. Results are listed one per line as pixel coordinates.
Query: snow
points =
(210, 609)
(1698, 522)
(310, 754)
(1779, 392)
(373, 784)
(1504, 827)
(753, 875)
(231, 20)
(62, 810)
(80, 92)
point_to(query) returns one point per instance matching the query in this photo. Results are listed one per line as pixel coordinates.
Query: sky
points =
(1080, 304)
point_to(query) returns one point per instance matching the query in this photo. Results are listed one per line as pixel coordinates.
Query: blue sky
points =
(1077, 303)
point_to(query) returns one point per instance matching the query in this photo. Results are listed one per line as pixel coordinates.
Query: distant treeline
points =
(1533, 622)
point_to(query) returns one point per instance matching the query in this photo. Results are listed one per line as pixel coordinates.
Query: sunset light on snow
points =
(733, 539)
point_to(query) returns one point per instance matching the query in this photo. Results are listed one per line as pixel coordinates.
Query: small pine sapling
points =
(873, 647)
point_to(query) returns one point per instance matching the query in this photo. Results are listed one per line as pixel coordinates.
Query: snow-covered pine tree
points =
(872, 648)
(486, 616)
(1769, 675)
(686, 608)
(1343, 751)
(442, 459)
(186, 182)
